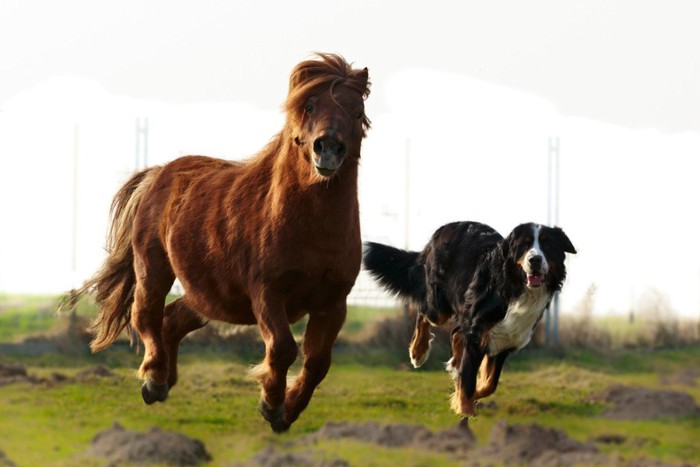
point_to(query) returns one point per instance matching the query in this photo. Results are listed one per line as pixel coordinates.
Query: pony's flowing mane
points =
(313, 77)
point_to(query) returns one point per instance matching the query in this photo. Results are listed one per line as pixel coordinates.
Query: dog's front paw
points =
(419, 354)
(462, 405)
(452, 369)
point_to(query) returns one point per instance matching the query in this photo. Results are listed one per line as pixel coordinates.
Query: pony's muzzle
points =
(329, 152)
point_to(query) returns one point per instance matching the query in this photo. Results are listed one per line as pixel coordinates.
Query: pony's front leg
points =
(280, 352)
(321, 332)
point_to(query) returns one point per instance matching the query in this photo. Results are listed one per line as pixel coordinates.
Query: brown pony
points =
(265, 241)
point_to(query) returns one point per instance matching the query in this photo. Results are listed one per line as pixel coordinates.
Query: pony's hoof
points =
(154, 392)
(275, 417)
(280, 426)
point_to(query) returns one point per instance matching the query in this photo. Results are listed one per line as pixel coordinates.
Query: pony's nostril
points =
(318, 146)
(329, 145)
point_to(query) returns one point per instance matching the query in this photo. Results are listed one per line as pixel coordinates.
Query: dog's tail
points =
(396, 270)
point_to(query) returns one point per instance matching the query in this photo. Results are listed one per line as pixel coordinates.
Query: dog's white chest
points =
(515, 330)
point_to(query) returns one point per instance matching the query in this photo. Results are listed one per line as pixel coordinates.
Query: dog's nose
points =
(535, 262)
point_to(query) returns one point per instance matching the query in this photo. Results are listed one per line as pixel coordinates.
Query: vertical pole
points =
(145, 142)
(406, 214)
(137, 142)
(553, 219)
(407, 194)
(141, 150)
(547, 312)
(74, 214)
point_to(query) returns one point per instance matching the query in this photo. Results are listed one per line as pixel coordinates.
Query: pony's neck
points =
(293, 178)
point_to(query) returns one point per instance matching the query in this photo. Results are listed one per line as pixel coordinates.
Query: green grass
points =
(359, 317)
(20, 316)
(217, 403)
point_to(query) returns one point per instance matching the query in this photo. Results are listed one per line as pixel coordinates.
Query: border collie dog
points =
(495, 289)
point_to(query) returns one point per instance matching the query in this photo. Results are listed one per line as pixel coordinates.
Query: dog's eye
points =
(309, 108)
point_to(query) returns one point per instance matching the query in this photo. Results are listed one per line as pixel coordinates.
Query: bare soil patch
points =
(456, 440)
(531, 444)
(683, 378)
(94, 372)
(5, 462)
(270, 457)
(10, 374)
(119, 445)
(535, 445)
(639, 403)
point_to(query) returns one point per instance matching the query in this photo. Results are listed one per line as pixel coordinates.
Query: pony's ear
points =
(298, 76)
(362, 77)
(561, 237)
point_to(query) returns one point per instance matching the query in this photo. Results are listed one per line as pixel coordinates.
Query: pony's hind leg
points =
(178, 321)
(153, 283)
(319, 336)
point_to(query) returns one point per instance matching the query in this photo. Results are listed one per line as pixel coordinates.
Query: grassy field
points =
(53, 423)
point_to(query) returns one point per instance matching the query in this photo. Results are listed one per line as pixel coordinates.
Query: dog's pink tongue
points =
(534, 280)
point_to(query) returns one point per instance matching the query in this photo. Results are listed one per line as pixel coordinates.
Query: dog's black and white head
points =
(535, 254)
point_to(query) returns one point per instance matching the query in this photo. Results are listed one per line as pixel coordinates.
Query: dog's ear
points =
(561, 237)
(508, 246)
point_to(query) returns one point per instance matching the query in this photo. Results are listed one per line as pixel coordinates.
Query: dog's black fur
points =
(470, 273)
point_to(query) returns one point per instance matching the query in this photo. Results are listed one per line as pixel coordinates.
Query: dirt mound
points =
(269, 457)
(5, 462)
(456, 440)
(154, 446)
(682, 378)
(536, 445)
(10, 374)
(94, 372)
(637, 403)
(532, 444)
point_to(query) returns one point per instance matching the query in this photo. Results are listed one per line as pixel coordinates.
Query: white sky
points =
(469, 91)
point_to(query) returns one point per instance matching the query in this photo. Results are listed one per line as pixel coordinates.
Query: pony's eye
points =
(309, 108)
(359, 115)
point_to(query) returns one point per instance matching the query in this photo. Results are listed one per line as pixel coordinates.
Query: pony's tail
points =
(113, 284)
(396, 270)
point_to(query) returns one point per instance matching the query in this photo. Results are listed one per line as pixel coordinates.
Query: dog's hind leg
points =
(419, 349)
